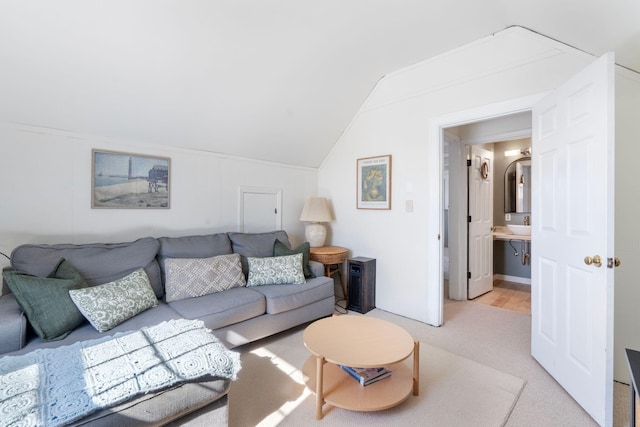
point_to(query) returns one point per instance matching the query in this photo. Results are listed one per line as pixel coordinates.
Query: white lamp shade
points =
(316, 209)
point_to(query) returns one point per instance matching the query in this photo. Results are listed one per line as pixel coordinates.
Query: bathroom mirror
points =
(517, 186)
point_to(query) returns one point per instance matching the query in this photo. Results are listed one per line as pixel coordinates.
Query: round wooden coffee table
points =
(363, 342)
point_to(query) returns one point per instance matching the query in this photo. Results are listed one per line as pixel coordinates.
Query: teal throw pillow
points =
(46, 302)
(281, 249)
(275, 270)
(106, 306)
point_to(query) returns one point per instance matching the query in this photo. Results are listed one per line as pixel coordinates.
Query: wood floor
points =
(508, 295)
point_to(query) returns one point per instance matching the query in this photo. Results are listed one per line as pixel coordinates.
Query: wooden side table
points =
(332, 257)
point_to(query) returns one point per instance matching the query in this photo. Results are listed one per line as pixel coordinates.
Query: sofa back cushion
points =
(256, 245)
(205, 246)
(98, 263)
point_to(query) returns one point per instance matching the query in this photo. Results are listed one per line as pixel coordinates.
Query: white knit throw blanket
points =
(52, 387)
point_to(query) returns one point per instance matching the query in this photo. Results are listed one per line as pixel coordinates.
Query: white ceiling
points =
(271, 80)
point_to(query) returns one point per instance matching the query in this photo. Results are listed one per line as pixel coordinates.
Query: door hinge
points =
(275, 211)
(468, 275)
(438, 236)
(468, 162)
(469, 218)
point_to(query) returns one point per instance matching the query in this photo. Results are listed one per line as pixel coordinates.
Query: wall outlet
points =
(507, 217)
(408, 205)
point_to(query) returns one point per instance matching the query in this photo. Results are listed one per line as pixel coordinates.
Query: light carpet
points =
(454, 391)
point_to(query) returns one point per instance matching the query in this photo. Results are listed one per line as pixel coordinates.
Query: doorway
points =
(572, 303)
(500, 270)
(510, 130)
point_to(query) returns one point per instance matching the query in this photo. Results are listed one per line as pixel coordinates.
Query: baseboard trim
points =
(515, 279)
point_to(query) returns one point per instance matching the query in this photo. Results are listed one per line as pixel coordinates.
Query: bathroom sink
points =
(520, 230)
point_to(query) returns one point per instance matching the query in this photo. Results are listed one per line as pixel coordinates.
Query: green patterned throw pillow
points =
(278, 270)
(106, 306)
(281, 249)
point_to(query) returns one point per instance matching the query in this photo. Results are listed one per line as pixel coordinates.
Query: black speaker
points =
(362, 284)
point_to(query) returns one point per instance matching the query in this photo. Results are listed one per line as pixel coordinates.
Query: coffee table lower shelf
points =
(343, 391)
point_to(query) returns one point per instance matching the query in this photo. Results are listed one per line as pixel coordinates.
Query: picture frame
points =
(374, 182)
(129, 181)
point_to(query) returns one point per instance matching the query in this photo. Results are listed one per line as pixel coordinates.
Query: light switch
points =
(409, 187)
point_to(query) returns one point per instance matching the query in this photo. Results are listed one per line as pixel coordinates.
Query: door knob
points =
(613, 262)
(596, 260)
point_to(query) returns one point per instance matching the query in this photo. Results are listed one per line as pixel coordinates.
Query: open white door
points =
(480, 279)
(572, 223)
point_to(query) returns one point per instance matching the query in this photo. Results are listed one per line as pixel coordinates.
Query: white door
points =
(572, 219)
(260, 209)
(480, 278)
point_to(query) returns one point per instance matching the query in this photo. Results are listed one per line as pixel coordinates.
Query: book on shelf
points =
(366, 376)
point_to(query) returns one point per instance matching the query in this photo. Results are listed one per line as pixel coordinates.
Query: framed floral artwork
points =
(374, 182)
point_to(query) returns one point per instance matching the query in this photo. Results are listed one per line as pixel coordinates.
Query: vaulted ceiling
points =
(264, 79)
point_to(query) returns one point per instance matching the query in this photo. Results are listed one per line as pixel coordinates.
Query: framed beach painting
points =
(374, 182)
(129, 181)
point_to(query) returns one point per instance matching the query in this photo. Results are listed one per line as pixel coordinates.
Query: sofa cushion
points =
(86, 331)
(67, 383)
(179, 403)
(256, 245)
(97, 263)
(275, 270)
(13, 327)
(46, 301)
(195, 277)
(280, 249)
(110, 304)
(203, 246)
(281, 298)
(222, 309)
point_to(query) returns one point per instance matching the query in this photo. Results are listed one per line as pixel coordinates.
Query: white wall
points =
(394, 120)
(45, 191)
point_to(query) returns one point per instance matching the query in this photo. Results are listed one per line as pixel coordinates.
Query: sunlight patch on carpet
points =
(295, 374)
(454, 391)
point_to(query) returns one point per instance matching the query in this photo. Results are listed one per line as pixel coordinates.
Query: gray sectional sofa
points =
(237, 316)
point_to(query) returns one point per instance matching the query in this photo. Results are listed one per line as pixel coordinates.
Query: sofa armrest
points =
(13, 325)
(317, 269)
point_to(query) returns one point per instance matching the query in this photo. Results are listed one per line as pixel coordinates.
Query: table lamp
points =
(316, 211)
